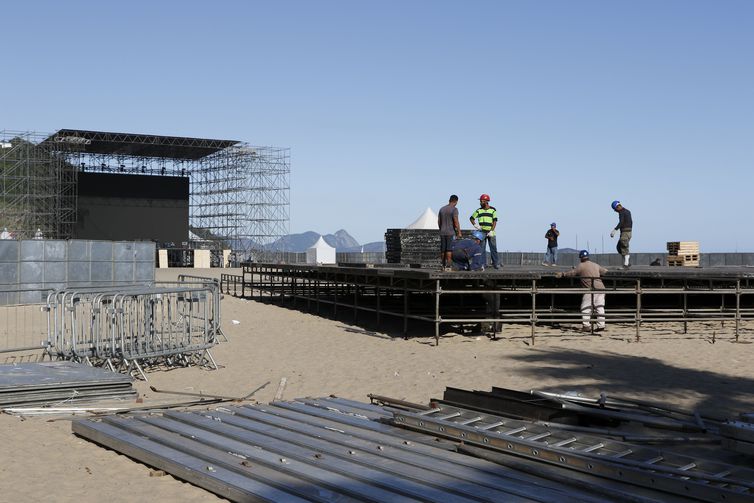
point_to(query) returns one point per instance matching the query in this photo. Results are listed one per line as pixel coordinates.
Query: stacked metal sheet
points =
(739, 435)
(316, 450)
(61, 381)
(414, 246)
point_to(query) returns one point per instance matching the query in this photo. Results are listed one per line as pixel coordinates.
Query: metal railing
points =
(129, 328)
(23, 322)
(465, 299)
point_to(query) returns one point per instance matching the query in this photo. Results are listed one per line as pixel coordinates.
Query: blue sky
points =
(553, 108)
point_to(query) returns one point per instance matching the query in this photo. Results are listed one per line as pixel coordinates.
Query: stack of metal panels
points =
(414, 246)
(739, 435)
(326, 449)
(61, 381)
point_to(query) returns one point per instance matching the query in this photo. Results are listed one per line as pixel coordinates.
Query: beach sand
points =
(43, 461)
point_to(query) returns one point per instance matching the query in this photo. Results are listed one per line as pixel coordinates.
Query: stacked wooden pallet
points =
(683, 253)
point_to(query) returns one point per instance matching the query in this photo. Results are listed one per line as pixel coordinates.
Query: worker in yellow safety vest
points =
(486, 216)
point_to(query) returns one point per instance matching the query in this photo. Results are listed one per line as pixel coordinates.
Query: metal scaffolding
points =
(239, 194)
(37, 186)
(523, 296)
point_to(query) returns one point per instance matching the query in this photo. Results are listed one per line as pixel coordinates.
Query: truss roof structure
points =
(137, 145)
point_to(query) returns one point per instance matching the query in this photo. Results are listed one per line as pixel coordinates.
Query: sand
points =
(43, 461)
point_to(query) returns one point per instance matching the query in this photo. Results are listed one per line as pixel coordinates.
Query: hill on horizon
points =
(341, 240)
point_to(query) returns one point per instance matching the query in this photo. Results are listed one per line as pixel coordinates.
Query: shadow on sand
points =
(716, 393)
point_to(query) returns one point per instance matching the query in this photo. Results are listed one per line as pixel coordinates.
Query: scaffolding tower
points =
(239, 194)
(37, 186)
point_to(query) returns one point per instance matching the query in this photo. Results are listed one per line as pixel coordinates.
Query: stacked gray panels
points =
(29, 269)
(316, 450)
(52, 382)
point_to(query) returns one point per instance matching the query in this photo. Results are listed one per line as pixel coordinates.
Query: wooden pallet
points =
(687, 260)
(683, 247)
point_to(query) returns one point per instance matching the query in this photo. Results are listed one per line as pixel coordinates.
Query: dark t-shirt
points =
(552, 239)
(446, 215)
(625, 222)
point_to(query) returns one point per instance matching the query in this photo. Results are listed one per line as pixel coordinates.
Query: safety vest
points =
(485, 217)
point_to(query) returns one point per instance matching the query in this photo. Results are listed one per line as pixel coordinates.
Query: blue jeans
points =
(493, 250)
(552, 255)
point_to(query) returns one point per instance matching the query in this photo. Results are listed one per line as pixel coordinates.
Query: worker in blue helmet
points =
(467, 253)
(593, 301)
(625, 224)
(551, 255)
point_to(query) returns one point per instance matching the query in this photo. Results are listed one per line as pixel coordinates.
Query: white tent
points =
(320, 253)
(427, 220)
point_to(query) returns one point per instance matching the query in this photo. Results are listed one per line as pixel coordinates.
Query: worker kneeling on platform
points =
(589, 272)
(467, 253)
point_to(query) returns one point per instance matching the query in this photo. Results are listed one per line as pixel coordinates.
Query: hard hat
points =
(484, 197)
(584, 254)
(478, 235)
(553, 225)
(614, 204)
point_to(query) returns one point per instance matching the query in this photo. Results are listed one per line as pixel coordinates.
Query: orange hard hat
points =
(484, 197)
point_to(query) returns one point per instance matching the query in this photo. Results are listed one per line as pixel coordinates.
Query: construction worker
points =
(487, 217)
(624, 225)
(468, 254)
(551, 255)
(447, 222)
(589, 272)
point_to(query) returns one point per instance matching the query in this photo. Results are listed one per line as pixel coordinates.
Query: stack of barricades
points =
(134, 327)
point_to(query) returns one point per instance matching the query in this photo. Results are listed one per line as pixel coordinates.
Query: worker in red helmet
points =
(486, 216)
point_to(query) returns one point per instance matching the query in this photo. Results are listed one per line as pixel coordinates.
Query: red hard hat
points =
(484, 197)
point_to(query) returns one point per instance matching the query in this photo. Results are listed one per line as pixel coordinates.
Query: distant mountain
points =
(341, 241)
(567, 250)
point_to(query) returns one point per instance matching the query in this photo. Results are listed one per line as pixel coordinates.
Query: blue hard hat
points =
(614, 204)
(553, 225)
(584, 254)
(478, 235)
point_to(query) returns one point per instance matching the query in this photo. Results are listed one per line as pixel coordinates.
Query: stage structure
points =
(239, 195)
(37, 186)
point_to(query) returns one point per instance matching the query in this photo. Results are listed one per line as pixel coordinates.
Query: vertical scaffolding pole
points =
(533, 309)
(738, 306)
(638, 310)
(438, 292)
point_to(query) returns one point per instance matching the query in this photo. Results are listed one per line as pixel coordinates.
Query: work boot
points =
(497, 266)
(586, 328)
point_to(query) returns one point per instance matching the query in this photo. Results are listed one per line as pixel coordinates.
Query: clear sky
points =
(554, 108)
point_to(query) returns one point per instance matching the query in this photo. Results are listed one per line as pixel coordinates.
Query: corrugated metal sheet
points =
(315, 450)
(23, 384)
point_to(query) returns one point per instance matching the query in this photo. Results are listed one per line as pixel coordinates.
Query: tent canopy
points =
(427, 220)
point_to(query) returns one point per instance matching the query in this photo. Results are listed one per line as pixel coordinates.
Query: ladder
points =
(644, 466)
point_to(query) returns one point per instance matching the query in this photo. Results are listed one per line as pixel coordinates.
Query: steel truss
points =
(463, 298)
(239, 194)
(37, 186)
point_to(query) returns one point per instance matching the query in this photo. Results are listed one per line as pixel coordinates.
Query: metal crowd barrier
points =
(214, 283)
(23, 324)
(132, 327)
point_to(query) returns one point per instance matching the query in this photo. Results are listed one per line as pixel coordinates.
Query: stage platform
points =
(526, 271)
(529, 295)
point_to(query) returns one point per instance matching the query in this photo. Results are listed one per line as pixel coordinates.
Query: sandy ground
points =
(43, 461)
